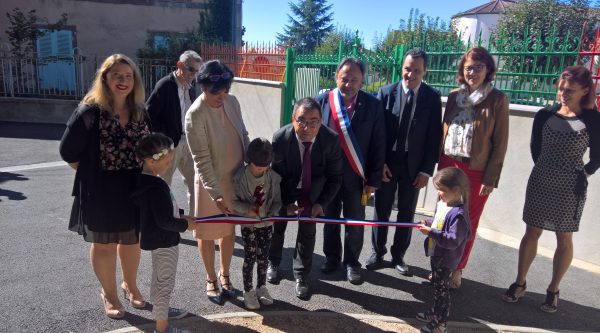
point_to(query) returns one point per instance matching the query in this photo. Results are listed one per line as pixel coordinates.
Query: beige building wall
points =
(106, 27)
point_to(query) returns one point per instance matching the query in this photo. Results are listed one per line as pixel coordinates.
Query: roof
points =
(492, 7)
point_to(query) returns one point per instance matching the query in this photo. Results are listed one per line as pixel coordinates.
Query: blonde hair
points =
(451, 177)
(100, 94)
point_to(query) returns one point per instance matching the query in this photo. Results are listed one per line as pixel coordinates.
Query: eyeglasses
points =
(218, 77)
(308, 123)
(474, 69)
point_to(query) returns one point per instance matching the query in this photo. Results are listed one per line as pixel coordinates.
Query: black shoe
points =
(401, 267)
(329, 266)
(302, 290)
(353, 275)
(374, 262)
(272, 275)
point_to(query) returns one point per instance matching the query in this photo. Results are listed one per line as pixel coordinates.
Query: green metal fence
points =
(526, 68)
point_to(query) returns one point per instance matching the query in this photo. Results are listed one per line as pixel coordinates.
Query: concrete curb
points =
(472, 327)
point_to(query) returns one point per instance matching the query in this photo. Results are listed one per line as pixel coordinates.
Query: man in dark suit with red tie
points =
(358, 119)
(308, 157)
(413, 118)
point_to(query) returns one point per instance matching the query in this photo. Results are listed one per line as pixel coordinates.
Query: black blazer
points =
(164, 107)
(326, 165)
(369, 129)
(158, 227)
(425, 131)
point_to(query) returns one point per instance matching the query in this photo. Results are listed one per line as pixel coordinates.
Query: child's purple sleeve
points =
(453, 234)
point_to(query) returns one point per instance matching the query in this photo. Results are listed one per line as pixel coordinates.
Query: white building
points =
(480, 20)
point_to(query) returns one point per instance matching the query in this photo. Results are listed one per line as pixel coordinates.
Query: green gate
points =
(526, 69)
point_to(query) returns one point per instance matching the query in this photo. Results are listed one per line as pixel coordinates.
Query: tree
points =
(330, 43)
(23, 31)
(417, 30)
(214, 26)
(309, 29)
(544, 26)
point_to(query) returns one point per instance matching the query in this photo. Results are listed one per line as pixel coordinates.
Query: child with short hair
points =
(256, 193)
(447, 234)
(160, 225)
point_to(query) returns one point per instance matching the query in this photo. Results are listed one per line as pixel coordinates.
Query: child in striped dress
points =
(160, 225)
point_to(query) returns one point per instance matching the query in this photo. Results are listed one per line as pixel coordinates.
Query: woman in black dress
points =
(557, 186)
(99, 144)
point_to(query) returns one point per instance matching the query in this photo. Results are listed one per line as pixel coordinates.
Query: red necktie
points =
(306, 177)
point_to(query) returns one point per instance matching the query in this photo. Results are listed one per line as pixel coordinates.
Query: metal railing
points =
(527, 68)
(263, 61)
(63, 77)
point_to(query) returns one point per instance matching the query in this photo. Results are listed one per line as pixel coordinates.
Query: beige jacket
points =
(490, 133)
(204, 146)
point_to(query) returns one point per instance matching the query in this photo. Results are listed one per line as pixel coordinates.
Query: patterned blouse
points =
(117, 143)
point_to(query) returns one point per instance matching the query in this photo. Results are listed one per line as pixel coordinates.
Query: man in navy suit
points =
(358, 118)
(167, 105)
(306, 188)
(413, 117)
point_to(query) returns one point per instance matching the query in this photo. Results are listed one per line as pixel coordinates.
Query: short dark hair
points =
(415, 53)
(480, 54)
(151, 144)
(210, 69)
(260, 152)
(583, 77)
(352, 62)
(307, 103)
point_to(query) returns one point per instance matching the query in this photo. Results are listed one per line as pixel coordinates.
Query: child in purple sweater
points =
(447, 234)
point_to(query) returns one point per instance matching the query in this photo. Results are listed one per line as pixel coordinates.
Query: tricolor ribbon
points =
(344, 130)
(236, 219)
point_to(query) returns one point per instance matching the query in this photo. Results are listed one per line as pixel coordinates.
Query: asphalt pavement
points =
(47, 284)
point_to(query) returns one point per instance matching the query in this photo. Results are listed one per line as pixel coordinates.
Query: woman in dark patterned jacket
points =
(99, 144)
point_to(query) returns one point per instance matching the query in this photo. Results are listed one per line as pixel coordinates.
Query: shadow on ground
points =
(16, 130)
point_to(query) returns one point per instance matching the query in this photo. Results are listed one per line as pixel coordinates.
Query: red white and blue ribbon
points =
(344, 130)
(236, 219)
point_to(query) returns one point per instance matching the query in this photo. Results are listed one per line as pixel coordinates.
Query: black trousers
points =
(305, 247)
(347, 200)
(407, 203)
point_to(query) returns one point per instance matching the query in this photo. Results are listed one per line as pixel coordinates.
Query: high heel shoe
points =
(218, 298)
(110, 310)
(226, 287)
(135, 303)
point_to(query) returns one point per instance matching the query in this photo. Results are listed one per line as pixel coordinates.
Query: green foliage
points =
(214, 26)
(309, 28)
(541, 26)
(417, 30)
(331, 41)
(23, 33)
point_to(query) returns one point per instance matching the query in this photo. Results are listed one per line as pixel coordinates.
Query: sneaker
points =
(173, 329)
(263, 296)
(426, 316)
(175, 313)
(434, 327)
(250, 300)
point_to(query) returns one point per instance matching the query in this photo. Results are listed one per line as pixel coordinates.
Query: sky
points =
(263, 19)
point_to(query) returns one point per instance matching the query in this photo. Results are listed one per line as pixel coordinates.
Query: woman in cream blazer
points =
(218, 139)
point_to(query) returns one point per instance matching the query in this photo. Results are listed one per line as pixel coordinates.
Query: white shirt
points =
(184, 98)
(404, 94)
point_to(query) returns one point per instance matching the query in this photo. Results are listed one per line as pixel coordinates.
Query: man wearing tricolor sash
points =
(358, 119)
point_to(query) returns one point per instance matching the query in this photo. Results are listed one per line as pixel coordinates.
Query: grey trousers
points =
(164, 268)
(183, 161)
